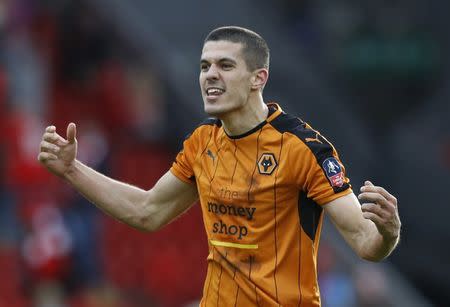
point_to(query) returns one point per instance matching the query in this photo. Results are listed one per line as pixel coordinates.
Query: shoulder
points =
(210, 121)
(303, 132)
(204, 129)
(302, 135)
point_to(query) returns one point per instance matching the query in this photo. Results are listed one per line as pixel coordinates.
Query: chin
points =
(213, 111)
(218, 109)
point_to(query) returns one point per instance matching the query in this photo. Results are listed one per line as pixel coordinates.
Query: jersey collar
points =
(274, 111)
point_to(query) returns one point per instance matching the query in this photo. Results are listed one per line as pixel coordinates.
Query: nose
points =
(212, 73)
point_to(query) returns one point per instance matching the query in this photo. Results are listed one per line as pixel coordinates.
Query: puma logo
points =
(316, 139)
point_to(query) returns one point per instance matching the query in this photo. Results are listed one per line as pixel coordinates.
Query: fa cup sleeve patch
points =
(334, 172)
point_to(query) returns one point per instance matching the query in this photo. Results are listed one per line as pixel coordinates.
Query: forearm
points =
(372, 245)
(121, 201)
(361, 233)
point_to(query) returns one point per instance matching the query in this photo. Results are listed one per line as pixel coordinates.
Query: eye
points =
(204, 67)
(227, 66)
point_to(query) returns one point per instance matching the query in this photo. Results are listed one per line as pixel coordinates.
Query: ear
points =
(259, 78)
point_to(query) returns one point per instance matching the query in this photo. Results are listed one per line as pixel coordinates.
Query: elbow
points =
(139, 224)
(147, 219)
(147, 224)
(151, 221)
(372, 257)
(138, 221)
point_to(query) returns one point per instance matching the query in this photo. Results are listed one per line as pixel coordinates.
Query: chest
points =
(243, 171)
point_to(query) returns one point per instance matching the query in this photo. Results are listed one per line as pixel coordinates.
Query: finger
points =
(375, 197)
(373, 217)
(387, 195)
(50, 129)
(368, 183)
(369, 187)
(71, 133)
(51, 137)
(49, 147)
(374, 208)
(55, 138)
(46, 156)
(372, 197)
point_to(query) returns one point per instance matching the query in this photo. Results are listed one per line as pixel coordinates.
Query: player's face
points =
(224, 78)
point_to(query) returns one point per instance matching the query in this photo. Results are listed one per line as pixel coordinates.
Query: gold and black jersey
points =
(261, 195)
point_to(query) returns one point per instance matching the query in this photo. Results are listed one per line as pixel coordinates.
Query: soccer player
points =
(264, 180)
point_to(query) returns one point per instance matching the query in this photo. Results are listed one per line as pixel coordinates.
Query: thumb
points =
(71, 133)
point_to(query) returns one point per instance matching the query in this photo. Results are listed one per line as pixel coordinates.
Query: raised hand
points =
(381, 208)
(56, 153)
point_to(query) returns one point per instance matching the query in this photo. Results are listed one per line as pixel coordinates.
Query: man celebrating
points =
(264, 180)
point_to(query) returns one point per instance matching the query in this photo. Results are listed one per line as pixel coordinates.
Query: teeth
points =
(214, 91)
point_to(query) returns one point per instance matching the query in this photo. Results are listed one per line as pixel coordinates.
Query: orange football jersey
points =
(261, 195)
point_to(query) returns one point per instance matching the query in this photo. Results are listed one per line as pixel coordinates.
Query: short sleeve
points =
(183, 166)
(319, 171)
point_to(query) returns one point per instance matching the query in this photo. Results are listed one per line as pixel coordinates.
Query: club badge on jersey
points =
(267, 163)
(334, 172)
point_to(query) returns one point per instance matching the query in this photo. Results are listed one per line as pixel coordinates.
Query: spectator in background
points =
(43, 74)
(47, 254)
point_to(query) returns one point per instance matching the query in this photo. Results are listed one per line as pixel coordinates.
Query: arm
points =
(144, 210)
(371, 229)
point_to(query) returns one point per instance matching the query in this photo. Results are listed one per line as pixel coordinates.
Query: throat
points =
(236, 125)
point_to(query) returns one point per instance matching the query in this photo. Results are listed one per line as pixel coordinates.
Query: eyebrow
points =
(221, 60)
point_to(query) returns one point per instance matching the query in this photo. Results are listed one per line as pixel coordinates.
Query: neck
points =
(246, 118)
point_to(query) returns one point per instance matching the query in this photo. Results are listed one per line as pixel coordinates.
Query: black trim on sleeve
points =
(318, 145)
(309, 215)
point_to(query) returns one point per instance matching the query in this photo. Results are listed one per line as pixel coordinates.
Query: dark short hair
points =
(255, 50)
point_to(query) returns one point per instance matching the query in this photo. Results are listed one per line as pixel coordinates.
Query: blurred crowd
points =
(387, 63)
(378, 55)
(60, 63)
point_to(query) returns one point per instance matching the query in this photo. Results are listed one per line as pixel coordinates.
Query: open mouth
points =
(213, 92)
